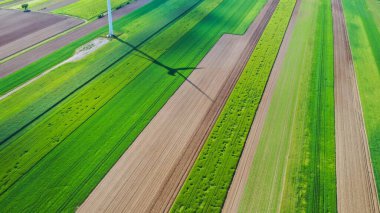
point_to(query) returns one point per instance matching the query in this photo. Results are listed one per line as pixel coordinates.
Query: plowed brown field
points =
(22, 30)
(355, 181)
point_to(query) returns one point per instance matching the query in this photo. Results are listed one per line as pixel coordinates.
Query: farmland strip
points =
(298, 175)
(32, 38)
(363, 26)
(70, 114)
(33, 55)
(82, 157)
(210, 177)
(240, 178)
(173, 128)
(355, 180)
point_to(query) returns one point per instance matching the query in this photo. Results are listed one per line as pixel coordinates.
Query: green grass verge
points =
(63, 154)
(89, 9)
(364, 37)
(294, 165)
(206, 186)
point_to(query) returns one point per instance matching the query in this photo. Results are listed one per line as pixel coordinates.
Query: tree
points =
(25, 7)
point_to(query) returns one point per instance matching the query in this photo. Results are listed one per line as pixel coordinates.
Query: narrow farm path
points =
(33, 55)
(238, 185)
(151, 172)
(356, 187)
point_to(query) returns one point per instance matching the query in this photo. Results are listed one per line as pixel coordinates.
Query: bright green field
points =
(88, 9)
(363, 28)
(24, 107)
(62, 152)
(206, 186)
(294, 166)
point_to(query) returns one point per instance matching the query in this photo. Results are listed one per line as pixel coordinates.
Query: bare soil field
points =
(238, 184)
(355, 180)
(151, 172)
(26, 58)
(22, 30)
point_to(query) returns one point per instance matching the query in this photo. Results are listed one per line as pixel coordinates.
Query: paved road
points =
(33, 55)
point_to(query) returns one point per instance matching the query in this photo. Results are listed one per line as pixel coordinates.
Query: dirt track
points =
(356, 187)
(23, 60)
(237, 187)
(22, 30)
(150, 173)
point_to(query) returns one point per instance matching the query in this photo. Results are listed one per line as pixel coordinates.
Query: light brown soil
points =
(355, 180)
(150, 173)
(238, 184)
(39, 52)
(22, 30)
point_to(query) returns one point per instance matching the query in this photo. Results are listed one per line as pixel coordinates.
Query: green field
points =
(23, 108)
(206, 186)
(363, 27)
(62, 133)
(294, 165)
(61, 151)
(88, 9)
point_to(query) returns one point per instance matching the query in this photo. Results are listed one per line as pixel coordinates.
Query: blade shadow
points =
(170, 70)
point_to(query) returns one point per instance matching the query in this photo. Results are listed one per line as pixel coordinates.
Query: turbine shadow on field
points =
(171, 71)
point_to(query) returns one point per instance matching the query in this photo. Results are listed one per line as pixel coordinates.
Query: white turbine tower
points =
(110, 33)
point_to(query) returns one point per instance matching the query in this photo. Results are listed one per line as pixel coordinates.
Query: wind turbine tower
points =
(110, 33)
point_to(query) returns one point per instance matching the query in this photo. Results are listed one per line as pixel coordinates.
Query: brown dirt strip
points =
(21, 39)
(356, 187)
(150, 173)
(33, 55)
(17, 24)
(237, 187)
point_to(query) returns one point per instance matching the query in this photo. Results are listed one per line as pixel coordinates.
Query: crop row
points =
(294, 164)
(206, 186)
(69, 160)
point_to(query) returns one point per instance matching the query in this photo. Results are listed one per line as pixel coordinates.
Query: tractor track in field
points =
(356, 189)
(37, 53)
(151, 172)
(236, 190)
